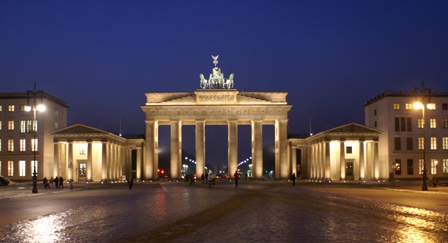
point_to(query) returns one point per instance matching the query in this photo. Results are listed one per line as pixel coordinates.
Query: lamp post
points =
(423, 106)
(34, 107)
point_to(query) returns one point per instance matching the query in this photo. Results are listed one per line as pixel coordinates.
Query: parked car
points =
(4, 181)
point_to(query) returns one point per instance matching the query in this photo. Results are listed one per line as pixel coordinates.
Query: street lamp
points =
(34, 107)
(423, 106)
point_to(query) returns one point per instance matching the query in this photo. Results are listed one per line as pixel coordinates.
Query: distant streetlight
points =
(34, 107)
(423, 106)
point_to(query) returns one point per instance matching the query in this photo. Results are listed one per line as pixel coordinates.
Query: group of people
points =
(57, 181)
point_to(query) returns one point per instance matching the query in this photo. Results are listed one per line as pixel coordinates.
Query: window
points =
(396, 106)
(22, 168)
(409, 143)
(26, 126)
(409, 106)
(56, 114)
(1, 108)
(348, 150)
(421, 123)
(420, 166)
(376, 125)
(10, 168)
(397, 166)
(56, 125)
(11, 108)
(397, 143)
(10, 145)
(445, 143)
(410, 166)
(403, 124)
(34, 167)
(11, 125)
(445, 166)
(82, 150)
(432, 123)
(444, 123)
(444, 106)
(421, 143)
(433, 166)
(433, 143)
(374, 112)
(0, 148)
(0, 125)
(22, 108)
(34, 144)
(22, 146)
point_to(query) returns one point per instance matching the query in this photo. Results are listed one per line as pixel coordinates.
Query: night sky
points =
(330, 56)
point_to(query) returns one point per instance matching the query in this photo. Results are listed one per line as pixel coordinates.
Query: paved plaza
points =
(255, 211)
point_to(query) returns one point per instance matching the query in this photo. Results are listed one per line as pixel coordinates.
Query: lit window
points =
(0, 125)
(397, 166)
(433, 166)
(56, 114)
(56, 125)
(22, 145)
(82, 150)
(22, 168)
(10, 145)
(34, 167)
(0, 148)
(10, 168)
(396, 106)
(1, 108)
(421, 123)
(444, 123)
(10, 125)
(34, 144)
(433, 143)
(445, 166)
(421, 143)
(409, 106)
(432, 123)
(420, 166)
(445, 143)
(26, 126)
(11, 108)
(22, 108)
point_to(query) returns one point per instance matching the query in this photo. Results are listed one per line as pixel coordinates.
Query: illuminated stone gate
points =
(215, 104)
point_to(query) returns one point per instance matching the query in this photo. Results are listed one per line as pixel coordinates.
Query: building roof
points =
(404, 94)
(24, 95)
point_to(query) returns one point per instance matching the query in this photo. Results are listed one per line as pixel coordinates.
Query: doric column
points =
(56, 159)
(70, 160)
(176, 149)
(232, 128)
(89, 161)
(375, 161)
(362, 165)
(150, 152)
(138, 164)
(257, 149)
(281, 143)
(294, 160)
(200, 147)
(342, 160)
(104, 160)
(327, 160)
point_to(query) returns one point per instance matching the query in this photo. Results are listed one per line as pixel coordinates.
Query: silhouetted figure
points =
(61, 182)
(45, 182)
(131, 183)
(237, 177)
(191, 180)
(293, 179)
(56, 182)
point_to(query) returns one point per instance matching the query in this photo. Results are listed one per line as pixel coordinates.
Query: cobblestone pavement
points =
(255, 211)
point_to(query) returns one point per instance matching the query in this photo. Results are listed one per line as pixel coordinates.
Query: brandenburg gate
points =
(215, 103)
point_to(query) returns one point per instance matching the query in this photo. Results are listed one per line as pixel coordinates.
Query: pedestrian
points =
(61, 182)
(45, 182)
(56, 181)
(206, 178)
(293, 179)
(191, 179)
(237, 177)
(51, 182)
(210, 180)
(202, 178)
(131, 183)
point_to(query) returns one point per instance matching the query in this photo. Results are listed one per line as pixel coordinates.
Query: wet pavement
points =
(255, 211)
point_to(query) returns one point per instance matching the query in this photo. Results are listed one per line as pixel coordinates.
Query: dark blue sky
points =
(331, 56)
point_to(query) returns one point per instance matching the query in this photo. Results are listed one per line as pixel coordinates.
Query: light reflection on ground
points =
(278, 214)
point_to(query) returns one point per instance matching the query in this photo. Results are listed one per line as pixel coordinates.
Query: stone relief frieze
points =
(216, 112)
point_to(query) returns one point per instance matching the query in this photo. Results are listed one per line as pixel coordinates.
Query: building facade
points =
(25, 140)
(413, 137)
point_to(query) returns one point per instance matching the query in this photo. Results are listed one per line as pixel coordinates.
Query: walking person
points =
(293, 178)
(237, 177)
(202, 178)
(56, 182)
(61, 182)
(131, 183)
(51, 182)
(45, 183)
(210, 180)
(191, 179)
